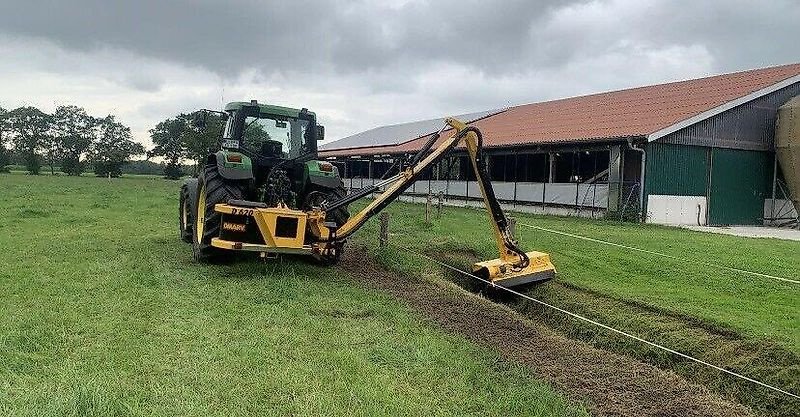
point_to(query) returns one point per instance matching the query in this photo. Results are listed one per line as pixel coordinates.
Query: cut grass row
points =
(747, 324)
(758, 307)
(102, 312)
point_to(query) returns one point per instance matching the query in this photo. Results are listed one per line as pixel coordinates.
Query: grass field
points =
(755, 306)
(745, 323)
(103, 312)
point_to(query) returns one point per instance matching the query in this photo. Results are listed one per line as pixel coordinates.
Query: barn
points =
(700, 151)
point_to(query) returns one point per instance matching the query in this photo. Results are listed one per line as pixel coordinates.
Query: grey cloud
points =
(286, 36)
(377, 61)
(741, 34)
(142, 82)
(214, 35)
(345, 37)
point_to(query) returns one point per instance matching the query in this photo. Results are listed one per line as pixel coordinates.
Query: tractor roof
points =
(266, 109)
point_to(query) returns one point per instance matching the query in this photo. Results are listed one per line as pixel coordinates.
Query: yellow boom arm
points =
(514, 267)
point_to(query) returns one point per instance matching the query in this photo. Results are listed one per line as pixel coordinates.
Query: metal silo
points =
(787, 147)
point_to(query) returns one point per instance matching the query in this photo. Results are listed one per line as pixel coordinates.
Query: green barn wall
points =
(740, 180)
(676, 169)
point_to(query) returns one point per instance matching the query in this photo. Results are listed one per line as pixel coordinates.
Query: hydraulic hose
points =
(425, 148)
(409, 181)
(496, 211)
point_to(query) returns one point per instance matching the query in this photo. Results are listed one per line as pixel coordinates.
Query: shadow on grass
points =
(240, 265)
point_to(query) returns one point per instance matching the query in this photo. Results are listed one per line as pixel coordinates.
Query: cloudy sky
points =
(360, 64)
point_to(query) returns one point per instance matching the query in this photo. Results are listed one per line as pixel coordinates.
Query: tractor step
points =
(248, 204)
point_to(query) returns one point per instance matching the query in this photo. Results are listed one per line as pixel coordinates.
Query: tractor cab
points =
(271, 132)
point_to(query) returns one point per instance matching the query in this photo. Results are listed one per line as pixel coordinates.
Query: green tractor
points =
(265, 192)
(267, 158)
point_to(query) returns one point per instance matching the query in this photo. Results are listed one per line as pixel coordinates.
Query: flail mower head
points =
(511, 271)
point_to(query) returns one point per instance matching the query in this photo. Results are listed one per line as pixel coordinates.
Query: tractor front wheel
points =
(315, 198)
(212, 189)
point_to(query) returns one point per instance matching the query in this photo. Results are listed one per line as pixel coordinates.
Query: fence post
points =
(383, 236)
(439, 205)
(428, 208)
(544, 196)
(512, 226)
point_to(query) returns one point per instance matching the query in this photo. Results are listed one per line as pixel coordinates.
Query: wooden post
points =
(383, 237)
(439, 204)
(428, 208)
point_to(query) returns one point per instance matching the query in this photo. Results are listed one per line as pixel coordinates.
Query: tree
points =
(30, 127)
(5, 153)
(168, 138)
(199, 140)
(50, 148)
(74, 131)
(114, 146)
(182, 138)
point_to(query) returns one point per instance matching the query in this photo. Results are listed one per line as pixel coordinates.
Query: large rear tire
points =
(212, 189)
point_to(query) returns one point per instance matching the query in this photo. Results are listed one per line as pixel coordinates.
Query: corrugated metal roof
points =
(635, 112)
(395, 134)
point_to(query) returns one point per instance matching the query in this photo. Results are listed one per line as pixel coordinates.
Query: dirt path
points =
(609, 384)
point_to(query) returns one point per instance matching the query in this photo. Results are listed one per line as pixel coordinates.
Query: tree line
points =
(73, 141)
(68, 138)
(182, 138)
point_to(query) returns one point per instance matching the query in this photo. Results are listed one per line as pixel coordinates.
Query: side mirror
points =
(320, 132)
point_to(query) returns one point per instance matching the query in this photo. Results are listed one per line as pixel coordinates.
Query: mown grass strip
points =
(606, 327)
(749, 326)
(103, 312)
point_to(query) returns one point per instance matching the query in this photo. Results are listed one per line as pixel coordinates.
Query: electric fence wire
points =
(609, 328)
(665, 255)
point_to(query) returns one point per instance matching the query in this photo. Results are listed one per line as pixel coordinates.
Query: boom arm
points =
(396, 185)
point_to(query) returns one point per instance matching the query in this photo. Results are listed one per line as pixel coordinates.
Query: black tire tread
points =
(185, 229)
(218, 190)
(339, 216)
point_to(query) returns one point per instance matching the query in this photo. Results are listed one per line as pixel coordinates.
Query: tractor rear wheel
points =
(212, 189)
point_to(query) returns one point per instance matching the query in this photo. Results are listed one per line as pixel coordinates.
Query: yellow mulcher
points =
(273, 229)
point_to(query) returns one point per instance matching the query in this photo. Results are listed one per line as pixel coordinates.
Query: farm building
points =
(700, 151)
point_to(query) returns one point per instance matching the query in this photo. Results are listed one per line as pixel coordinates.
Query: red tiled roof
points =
(627, 113)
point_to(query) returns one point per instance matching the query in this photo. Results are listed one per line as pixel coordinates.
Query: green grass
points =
(103, 312)
(757, 307)
(741, 322)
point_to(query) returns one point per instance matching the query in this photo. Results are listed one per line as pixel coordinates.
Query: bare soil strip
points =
(761, 359)
(609, 384)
